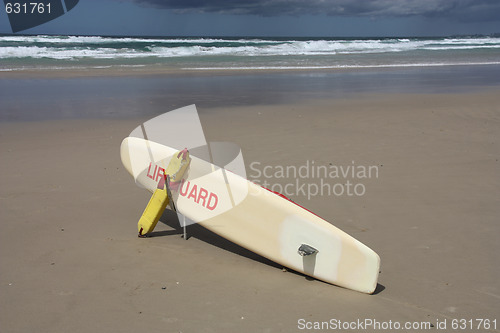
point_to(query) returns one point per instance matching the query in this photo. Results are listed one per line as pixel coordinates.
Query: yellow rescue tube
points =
(159, 200)
(177, 167)
(153, 211)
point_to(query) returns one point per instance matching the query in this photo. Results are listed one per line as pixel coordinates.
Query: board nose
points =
(125, 156)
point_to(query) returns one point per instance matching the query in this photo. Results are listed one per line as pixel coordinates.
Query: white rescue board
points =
(257, 219)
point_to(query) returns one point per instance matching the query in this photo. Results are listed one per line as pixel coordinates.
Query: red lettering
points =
(192, 194)
(160, 173)
(161, 183)
(154, 173)
(186, 188)
(216, 200)
(149, 169)
(202, 195)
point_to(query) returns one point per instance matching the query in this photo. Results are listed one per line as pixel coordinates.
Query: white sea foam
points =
(65, 54)
(99, 39)
(338, 53)
(342, 66)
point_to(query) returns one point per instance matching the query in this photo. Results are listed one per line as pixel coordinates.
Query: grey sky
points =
(479, 10)
(321, 18)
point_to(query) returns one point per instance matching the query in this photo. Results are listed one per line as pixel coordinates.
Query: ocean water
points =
(369, 65)
(19, 52)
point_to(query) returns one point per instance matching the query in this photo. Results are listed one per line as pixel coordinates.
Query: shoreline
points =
(126, 94)
(161, 70)
(334, 104)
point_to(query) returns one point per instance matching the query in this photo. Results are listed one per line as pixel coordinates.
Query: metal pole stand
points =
(184, 227)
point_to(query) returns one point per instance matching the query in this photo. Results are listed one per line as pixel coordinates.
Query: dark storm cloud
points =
(463, 10)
